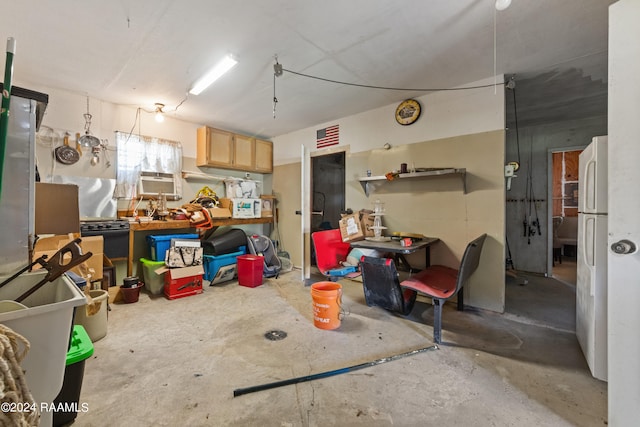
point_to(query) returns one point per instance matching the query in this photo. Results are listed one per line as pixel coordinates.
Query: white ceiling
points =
(139, 52)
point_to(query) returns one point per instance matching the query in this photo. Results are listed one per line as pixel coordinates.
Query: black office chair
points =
(382, 287)
(438, 282)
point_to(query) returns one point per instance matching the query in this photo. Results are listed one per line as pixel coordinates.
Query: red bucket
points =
(250, 270)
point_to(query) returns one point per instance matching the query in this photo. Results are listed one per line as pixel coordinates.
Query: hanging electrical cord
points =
(386, 87)
(186, 96)
(511, 84)
(277, 72)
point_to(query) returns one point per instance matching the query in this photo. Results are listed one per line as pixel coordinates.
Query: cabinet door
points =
(215, 147)
(220, 150)
(264, 156)
(244, 152)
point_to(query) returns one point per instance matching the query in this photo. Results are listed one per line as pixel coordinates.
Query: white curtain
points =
(138, 153)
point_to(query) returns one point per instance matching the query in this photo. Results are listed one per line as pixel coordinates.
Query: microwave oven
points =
(151, 184)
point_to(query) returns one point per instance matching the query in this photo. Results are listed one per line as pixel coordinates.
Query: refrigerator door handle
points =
(588, 250)
(590, 186)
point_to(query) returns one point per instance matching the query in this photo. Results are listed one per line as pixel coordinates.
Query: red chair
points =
(330, 251)
(440, 283)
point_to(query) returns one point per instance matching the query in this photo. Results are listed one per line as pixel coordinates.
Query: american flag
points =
(328, 136)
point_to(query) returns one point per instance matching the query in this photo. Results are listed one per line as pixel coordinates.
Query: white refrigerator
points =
(591, 286)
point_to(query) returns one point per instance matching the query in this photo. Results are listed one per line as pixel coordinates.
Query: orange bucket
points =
(327, 299)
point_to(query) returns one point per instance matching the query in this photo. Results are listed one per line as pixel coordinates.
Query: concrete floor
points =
(170, 363)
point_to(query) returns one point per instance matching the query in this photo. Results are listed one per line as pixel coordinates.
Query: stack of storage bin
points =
(177, 282)
(221, 252)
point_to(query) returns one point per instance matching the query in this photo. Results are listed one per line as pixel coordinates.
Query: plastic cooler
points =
(223, 243)
(80, 350)
(46, 324)
(159, 243)
(221, 268)
(154, 283)
(250, 270)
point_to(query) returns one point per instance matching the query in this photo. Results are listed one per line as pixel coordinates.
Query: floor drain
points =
(275, 335)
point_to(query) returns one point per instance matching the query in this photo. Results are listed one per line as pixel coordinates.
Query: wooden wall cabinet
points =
(227, 150)
(264, 156)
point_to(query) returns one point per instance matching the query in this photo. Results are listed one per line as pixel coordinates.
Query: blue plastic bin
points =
(159, 244)
(222, 268)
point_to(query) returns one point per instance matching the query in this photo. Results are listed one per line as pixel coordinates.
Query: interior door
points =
(328, 190)
(305, 205)
(624, 205)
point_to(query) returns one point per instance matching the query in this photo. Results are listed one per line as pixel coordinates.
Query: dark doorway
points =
(328, 188)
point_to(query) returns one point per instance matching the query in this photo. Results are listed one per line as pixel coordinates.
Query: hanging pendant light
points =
(159, 114)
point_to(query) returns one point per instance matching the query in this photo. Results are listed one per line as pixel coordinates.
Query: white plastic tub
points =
(46, 324)
(96, 324)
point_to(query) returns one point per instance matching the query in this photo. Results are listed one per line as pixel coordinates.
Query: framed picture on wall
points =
(268, 205)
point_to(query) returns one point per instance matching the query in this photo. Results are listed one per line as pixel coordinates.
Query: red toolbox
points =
(182, 282)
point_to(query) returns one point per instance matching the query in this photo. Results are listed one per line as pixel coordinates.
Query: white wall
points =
(463, 129)
(532, 254)
(444, 114)
(65, 113)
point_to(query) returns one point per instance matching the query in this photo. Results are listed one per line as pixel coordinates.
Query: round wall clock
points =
(408, 111)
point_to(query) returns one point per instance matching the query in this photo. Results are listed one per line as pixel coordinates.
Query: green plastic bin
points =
(80, 349)
(154, 283)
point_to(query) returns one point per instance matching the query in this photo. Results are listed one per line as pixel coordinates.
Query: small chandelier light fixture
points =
(159, 114)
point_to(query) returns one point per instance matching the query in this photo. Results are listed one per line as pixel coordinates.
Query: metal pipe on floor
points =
(247, 390)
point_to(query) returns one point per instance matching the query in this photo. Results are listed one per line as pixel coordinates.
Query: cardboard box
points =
(91, 269)
(114, 294)
(56, 209)
(220, 212)
(351, 228)
(238, 188)
(182, 282)
(366, 221)
(246, 208)
(224, 203)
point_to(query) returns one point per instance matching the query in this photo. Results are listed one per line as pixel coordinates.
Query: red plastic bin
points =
(250, 270)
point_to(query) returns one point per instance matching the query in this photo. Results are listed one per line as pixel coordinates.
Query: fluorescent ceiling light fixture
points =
(214, 74)
(502, 4)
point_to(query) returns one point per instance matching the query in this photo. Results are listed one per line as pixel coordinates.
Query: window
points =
(138, 153)
(565, 182)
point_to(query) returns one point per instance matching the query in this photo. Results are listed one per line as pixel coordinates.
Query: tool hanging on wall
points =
(531, 226)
